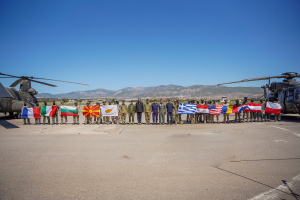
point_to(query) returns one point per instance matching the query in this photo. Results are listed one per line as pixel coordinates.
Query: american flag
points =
(215, 109)
(185, 108)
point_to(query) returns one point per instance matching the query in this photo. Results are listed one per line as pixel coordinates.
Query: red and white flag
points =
(255, 107)
(273, 108)
(202, 109)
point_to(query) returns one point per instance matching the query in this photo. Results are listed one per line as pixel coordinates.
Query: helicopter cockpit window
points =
(290, 95)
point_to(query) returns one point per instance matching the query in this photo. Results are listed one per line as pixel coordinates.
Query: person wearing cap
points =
(226, 116)
(154, 108)
(63, 117)
(24, 119)
(131, 112)
(76, 118)
(246, 111)
(97, 118)
(263, 107)
(104, 118)
(139, 109)
(38, 120)
(277, 116)
(170, 109)
(237, 114)
(123, 111)
(46, 117)
(260, 114)
(147, 110)
(177, 118)
(161, 112)
(252, 114)
(55, 116)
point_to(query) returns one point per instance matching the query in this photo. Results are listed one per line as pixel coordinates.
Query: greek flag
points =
(185, 108)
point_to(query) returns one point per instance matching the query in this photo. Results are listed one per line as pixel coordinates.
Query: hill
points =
(203, 91)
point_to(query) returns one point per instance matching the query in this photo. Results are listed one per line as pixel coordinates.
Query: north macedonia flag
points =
(91, 111)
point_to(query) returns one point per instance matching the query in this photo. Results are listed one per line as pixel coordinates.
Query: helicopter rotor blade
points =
(14, 84)
(255, 79)
(59, 81)
(48, 84)
(11, 76)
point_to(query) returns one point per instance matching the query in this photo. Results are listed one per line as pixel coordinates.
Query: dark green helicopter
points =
(287, 91)
(12, 101)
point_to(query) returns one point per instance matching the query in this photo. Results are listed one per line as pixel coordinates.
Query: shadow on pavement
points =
(6, 124)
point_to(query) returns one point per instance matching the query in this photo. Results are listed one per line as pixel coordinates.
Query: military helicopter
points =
(287, 91)
(12, 101)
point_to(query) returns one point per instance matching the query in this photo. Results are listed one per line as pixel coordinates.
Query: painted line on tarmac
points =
(274, 193)
(297, 134)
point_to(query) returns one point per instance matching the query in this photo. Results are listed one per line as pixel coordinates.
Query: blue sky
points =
(117, 44)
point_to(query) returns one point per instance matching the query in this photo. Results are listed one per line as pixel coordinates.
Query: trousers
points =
(131, 117)
(161, 118)
(139, 117)
(170, 117)
(154, 117)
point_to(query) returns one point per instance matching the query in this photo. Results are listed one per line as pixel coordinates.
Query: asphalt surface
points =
(259, 160)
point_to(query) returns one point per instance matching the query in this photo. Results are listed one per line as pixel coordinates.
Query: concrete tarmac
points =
(259, 160)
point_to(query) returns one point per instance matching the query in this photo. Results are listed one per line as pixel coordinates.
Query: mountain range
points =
(202, 91)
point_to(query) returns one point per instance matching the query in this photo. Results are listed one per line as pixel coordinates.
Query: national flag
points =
(31, 113)
(215, 109)
(185, 108)
(227, 109)
(243, 107)
(273, 108)
(48, 110)
(254, 107)
(202, 109)
(109, 110)
(91, 111)
(68, 111)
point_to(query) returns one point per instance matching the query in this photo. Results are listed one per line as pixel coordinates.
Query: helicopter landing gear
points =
(17, 116)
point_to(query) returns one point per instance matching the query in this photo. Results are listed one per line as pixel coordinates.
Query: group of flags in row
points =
(89, 111)
(217, 109)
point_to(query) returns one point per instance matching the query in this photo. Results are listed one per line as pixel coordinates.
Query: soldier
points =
(114, 118)
(226, 116)
(179, 120)
(76, 118)
(267, 115)
(104, 118)
(197, 115)
(238, 114)
(188, 116)
(62, 117)
(97, 118)
(87, 118)
(161, 112)
(176, 107)
(213, 116)
(118, 117)
(245, 111)
(38, 120)
(206, 116)
(24, 119)
(139, 109)
(201, 115)
(252, 114)
(55, 116)
(170, 109)
(154, 108)
(147, 110)
(192, 117)
(44, 117)
(260, 114)
(131, 111)
(123, 111)
(277, 116)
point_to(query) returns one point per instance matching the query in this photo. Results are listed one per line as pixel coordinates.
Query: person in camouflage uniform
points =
(260, 114)
(62, 117)
(147, 110)
(246, 112)
(87, 118)
(97, 118)
(238, 114)
(123, 110)
(201, 115)
(104, 121)
(277, 116)
(113, 118)
(197, 115)
(38, 120)
(226, 116)
(131, 112)
(192, 117)
(55, 116)
(44, 117)
(208, 116)
(161, 112)
(177, 118)
(76, 118)
(252, 114)
(24, 119)
(119, 116)
(213, 116)
(188, 116)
